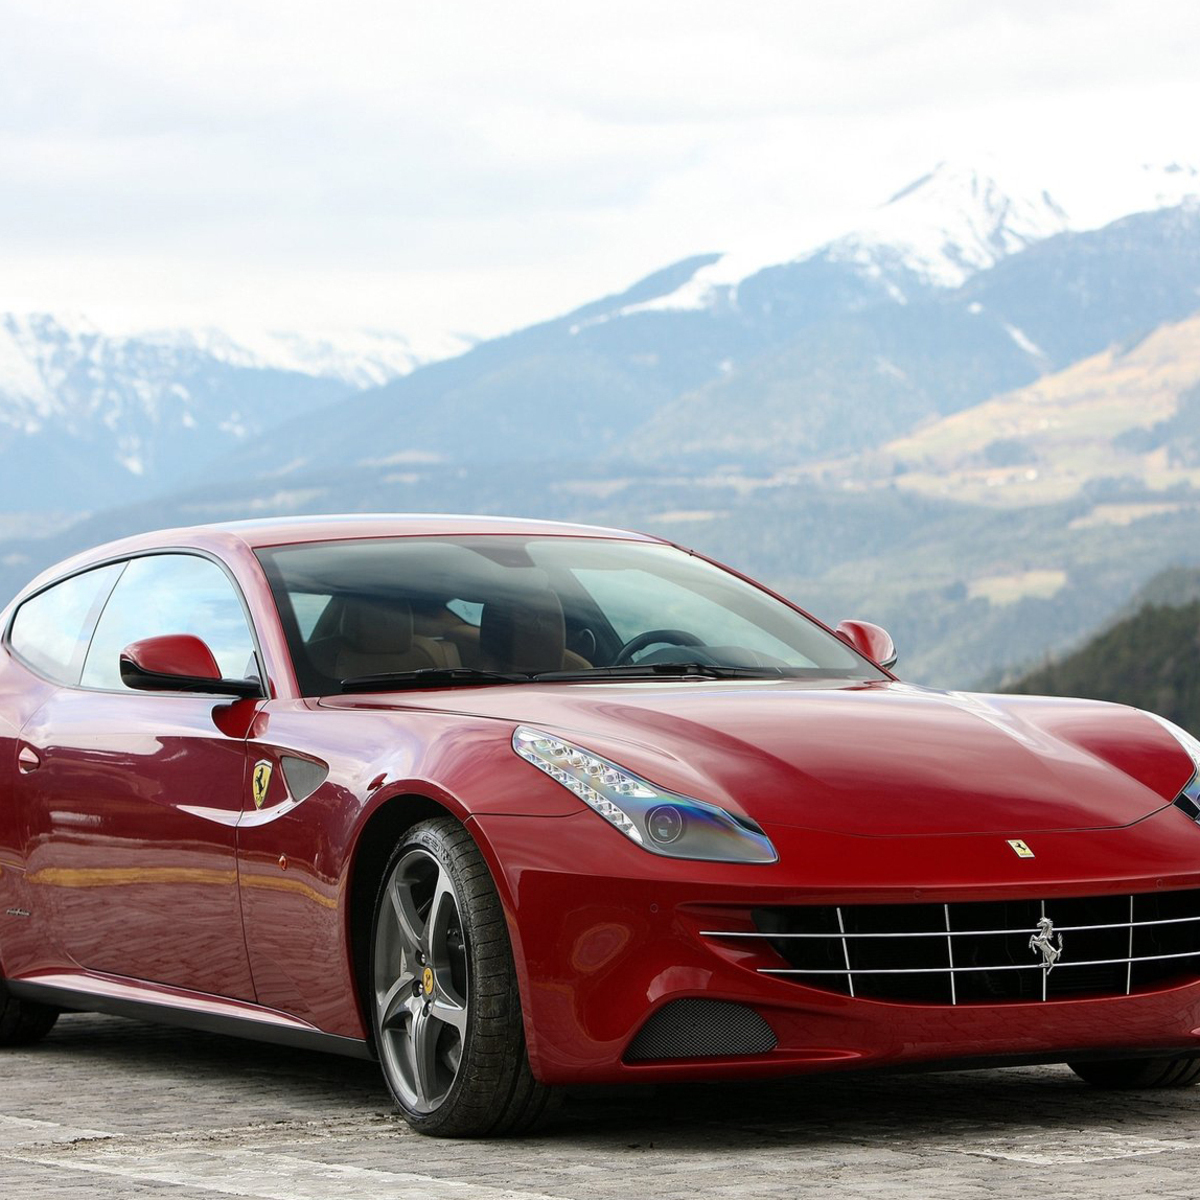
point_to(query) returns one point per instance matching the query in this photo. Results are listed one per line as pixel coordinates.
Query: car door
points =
(132, 798)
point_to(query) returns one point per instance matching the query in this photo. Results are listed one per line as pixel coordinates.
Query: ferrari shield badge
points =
(260, 782)
(1019, 848)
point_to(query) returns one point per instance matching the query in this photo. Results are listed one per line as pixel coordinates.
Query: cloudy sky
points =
(476, 166)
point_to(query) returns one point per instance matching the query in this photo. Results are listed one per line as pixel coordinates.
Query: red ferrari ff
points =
(512, 804)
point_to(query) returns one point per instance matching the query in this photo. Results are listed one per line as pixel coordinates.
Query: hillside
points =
(846, 381)
(1131, 412)
(967, 591)
(1147, 660)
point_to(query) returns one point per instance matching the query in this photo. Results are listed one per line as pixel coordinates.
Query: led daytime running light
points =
(662, 822)
(554, 757)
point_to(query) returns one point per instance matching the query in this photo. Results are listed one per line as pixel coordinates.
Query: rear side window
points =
(50, 631)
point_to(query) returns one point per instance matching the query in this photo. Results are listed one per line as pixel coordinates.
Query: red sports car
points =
(512, 804)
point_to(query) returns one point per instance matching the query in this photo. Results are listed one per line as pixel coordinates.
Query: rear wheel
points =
(446, 1012)
(23, 1021)
(1181, 1071)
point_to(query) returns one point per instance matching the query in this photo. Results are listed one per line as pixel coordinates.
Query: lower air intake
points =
(701, 1029)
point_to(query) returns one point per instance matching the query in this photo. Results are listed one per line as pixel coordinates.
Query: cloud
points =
(520, 158)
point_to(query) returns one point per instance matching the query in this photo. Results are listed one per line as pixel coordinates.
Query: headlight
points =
(659, 821)
(1189, 799)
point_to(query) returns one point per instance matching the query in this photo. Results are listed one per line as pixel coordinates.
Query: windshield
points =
(504, 608)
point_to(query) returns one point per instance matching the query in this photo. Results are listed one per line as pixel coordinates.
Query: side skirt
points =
(208, 1014)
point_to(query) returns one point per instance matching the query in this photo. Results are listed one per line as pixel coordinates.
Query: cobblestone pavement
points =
(108, 1107)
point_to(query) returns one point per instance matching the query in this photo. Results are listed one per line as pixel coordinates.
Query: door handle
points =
(28, 759)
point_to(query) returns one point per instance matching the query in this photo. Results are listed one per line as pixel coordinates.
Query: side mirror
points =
(179, 662)
(869, 640)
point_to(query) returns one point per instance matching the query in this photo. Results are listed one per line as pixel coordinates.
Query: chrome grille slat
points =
(1095, 962)
(742, 933)
(1129, 964)
(846, 953)
(984, 952)
(950, 954)
(1045, 973)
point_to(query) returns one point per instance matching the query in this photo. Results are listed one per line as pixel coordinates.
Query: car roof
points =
(281, 531)
(284, 530)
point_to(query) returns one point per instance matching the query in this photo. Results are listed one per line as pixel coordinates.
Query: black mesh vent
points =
(701, 1029)
(986, 952)
(1188, 802)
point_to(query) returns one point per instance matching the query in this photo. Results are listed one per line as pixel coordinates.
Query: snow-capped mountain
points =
(85, 414)
(937, 232)
(827, 354)
(1110, 194)
(360, 358)
(949, 292)
(948, 225)
(940, 229)
(41, 352)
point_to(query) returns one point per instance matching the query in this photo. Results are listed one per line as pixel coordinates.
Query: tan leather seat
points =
(367, 636)
(524, 634)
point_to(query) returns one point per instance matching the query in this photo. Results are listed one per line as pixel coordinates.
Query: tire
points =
(1182, 1071)
(445, 1009)
(23, 1022)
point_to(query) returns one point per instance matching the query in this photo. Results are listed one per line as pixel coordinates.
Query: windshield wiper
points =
(429, 677)
(434, 677)
(659, 670)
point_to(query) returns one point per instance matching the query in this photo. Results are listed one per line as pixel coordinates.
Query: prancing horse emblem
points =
(1047, 943)
(260, 781)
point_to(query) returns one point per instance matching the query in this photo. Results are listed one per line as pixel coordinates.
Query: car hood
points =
(868, 759)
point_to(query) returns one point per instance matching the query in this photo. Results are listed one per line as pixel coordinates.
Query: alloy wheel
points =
(420, 981)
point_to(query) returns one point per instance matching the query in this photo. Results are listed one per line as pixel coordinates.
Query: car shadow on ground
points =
(860, 1106)
(813, 1111)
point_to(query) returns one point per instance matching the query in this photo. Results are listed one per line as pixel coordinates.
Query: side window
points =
(471, 612)
(308, 608)
(171, 593)
(50, 630)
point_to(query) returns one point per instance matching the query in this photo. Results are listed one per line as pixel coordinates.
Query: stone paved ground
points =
(107, 1107)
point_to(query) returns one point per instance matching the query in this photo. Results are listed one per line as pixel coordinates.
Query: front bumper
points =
(606, 935)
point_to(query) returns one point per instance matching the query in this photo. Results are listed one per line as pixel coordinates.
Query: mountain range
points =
(89, 417)
(833, 352)
(890, 424)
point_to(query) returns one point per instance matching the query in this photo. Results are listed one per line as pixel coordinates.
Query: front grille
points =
(986, 952)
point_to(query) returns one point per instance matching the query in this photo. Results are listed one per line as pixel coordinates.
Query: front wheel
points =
(1181, 1071)
(445, 1006)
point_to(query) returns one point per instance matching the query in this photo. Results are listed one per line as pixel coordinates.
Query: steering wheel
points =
(676, 637)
